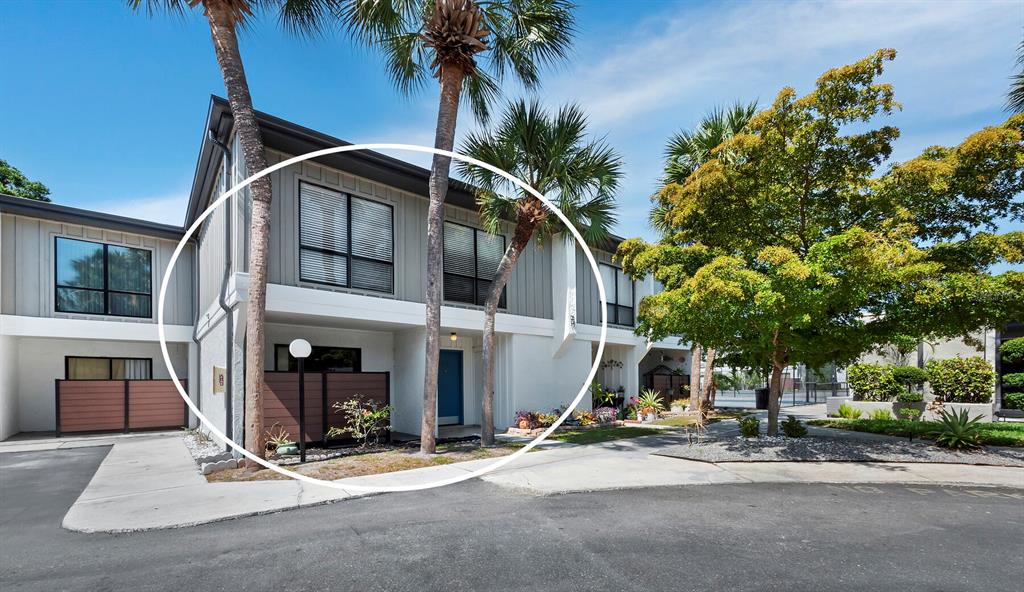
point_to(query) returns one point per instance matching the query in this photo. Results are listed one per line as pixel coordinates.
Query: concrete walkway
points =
(152, 483)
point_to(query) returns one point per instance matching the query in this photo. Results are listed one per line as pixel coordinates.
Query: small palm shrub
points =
(793, 428)
(882, 415)
(962, 380)
(1012, 351)
(957, 430)
(909, 376)
(872, 382)
(750, 427)
(848, 412)
(1013, 400)
(650, 402)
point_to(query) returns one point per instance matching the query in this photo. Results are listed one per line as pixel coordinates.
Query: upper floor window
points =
(619, 289)
(345, 240)
(471, 257)
(104, 279)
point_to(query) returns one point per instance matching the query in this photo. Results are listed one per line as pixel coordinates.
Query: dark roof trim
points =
(58, 213)
(294, 139)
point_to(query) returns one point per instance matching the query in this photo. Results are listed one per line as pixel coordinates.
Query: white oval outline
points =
(383, 488)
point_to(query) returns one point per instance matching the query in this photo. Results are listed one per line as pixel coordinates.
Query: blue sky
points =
(106, 106)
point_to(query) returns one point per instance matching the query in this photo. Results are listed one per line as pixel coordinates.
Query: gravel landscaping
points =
(812, 448)
(202, 447)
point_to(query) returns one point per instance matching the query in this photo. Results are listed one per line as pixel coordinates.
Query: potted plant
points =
(279, 441)
(678, 406)
(648, 405)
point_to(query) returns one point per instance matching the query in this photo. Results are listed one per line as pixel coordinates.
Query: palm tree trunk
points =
(695, 377)
(709, 378)
(225, 44)
(444, 138)
(525, 226)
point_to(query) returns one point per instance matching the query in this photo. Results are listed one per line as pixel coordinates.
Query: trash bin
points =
(761, 398)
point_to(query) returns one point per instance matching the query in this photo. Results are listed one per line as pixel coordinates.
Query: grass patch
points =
(992, 434)
(374, 463)
(604, 434)
(686, 420)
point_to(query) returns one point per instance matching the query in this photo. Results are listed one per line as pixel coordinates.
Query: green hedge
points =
(873, 382)
(1012, 350)
(1013, 382)
(909, 376)
(1013, 400)
(962, 380)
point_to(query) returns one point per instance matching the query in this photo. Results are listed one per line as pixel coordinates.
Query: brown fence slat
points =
(154, 404)
(90, 405)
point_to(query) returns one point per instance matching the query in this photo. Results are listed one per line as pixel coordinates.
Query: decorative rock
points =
(220, 465)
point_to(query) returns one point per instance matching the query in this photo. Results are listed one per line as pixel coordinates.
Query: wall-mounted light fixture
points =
(453, 337)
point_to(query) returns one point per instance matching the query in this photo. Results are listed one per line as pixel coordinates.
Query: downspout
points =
(223, 298)
(196, 299)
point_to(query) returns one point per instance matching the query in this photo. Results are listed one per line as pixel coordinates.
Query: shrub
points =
(957, 430)
(750, 427)
(1013, 400)
(793, 428)
(680, 403)
(365, 420)
(961, 380)
(910, 397)
(605, 414)
(848, 412)
(585, 418)
(650, 402)
(909, 413)
(1013, 382)
(1012, 350)
(908, 376)
(872, 382)
(882, 415)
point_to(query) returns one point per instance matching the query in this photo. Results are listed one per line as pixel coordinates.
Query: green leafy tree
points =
(788, 247)
(14, 182)
(551, 153)
(225, 17)
(445, 39)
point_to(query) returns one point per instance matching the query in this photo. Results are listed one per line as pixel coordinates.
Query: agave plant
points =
(650, 401)
(957, 430)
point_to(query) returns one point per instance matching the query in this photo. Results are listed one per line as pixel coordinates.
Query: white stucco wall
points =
(541, 382)
(40, 361)
(9, 418)
(407, 381)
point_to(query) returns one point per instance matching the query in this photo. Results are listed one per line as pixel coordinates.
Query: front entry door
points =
(449, 387)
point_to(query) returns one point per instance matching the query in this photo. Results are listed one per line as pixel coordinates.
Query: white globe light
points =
(300, 348)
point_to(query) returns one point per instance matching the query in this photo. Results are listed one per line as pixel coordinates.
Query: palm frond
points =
(309, 18)
(1015, 98)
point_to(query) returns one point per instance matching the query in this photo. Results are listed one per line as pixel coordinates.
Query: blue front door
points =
(449, 387)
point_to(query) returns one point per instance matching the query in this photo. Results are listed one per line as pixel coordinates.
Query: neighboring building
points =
(346, 272)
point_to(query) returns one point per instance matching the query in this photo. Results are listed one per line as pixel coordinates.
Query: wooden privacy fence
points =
(323, 390)
(118, 405)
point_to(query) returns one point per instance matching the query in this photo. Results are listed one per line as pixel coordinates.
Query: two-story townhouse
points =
(77, 300)
(347, 273)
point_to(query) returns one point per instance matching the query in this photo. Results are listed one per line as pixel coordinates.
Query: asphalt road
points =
(476, 536)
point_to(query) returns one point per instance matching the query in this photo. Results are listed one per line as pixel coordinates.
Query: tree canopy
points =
(14, 182)
(788, 246)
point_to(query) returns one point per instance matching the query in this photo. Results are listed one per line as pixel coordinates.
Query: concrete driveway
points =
(478, 536)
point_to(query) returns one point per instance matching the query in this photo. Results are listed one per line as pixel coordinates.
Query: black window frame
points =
(348, 230)
(110, 366)
(614, 319)
(480, 299)
(105, 290)
(357, 367)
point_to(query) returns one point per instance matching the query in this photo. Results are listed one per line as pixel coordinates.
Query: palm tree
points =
(550, 153)
(445, 38)
(1015, 98)
(225, 17)
(686, 152)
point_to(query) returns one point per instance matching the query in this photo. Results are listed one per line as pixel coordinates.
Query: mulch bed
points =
(812, 448)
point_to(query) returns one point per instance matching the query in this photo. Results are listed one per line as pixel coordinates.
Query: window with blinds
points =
(619, 289)
(345, 240)
(88, 368)
(471, 258)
